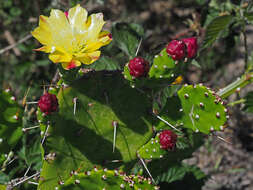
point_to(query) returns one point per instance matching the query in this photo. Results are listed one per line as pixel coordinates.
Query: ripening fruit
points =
(168, 139)
(176, 49)
(48, 103)
(192, 46)
(138, 67)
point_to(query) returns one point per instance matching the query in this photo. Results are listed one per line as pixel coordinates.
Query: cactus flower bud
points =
(168, 139)
(138, 67)
(192, 46)
(176, 49)
(48, 103)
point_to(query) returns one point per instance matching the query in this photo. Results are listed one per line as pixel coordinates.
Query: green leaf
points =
(181, 174)
(127, 37)
(174, 173)
(216, 26)
(249, 102)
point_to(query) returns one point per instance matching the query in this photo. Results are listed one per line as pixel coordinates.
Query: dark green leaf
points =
(178, 172)
(216, 26)
(127, 37)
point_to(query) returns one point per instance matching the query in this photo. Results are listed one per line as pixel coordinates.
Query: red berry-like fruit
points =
(138, 67)
(168, 139)
(176, 49)
(48, 103)
(192, 46)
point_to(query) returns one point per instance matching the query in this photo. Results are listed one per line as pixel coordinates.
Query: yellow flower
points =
(71, 38)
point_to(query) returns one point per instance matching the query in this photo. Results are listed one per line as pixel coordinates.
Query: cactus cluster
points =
(96, 118)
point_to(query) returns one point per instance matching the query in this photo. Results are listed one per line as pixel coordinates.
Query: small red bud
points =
(168, 139)
(192, 46)
(138, 67)
(48, 103)
(176, 49)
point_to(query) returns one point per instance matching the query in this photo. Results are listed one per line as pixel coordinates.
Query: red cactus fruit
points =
(138, 67)
(168, 139)
(48, 103)
(192, 46)
(176, 49)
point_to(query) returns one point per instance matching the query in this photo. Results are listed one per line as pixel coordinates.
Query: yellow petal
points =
(104, 39)
(61, 31)
(72, 64)
(97, 22)
(60, 56)
(43, 33)
(89, 58)
(77, 17)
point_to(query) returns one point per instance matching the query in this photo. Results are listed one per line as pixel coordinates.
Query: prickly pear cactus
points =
(10, 121)
(196, 107)
(82, 133)
(105, 179)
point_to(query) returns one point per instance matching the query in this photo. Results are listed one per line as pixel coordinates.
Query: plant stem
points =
(245, 47)
(236, 102)
(236, 85)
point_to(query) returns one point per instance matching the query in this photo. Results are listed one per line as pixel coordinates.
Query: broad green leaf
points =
(216, 26)
(181, 174)
(127, 37)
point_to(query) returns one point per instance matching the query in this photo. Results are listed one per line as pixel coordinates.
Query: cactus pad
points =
(196, 108)
(152, 149)
(105, 180)
(86, 137)
(165, 67)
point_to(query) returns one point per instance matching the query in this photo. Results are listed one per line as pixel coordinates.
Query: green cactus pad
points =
(165, 67)
(105, 180)
(152, 149)
(86, 138)
(10, 121)
(196, 108)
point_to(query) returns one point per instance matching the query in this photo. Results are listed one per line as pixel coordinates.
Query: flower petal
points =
(70, 65)
(103, 39)
(77, 15)
(89, 58)
(61, 30)
(96, 24)
(43, 32)
(60, 56)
